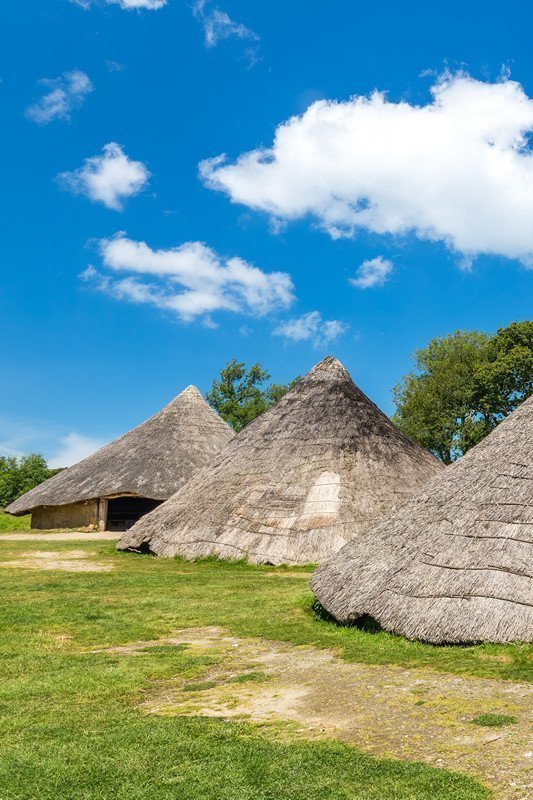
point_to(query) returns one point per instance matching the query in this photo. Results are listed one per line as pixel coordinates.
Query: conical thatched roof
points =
(302, 479)
(152, 460)
(455, 563)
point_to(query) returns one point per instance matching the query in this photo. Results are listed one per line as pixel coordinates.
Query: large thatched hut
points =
(455, 563)
(119, 483)
(302, 479)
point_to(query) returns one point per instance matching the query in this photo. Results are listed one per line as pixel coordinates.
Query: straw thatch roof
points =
(153, 460)
(302, 479)
(455, 563)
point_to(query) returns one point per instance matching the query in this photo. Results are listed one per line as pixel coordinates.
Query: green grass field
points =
(70, 724)
(10, 523)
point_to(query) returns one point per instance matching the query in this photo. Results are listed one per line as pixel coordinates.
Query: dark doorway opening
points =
(123, 512)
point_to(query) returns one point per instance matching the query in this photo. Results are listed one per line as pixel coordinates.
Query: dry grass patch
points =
(375, 707)
(65, 560)
(286, 574)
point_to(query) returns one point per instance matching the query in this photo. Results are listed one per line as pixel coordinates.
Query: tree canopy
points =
(240, 395)
(463, 385)
(20, 474)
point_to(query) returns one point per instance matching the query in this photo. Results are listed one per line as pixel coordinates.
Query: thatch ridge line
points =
(488, 568)
(465, 598)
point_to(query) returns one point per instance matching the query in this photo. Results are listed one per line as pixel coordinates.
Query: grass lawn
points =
(10, 523)
(70, 726)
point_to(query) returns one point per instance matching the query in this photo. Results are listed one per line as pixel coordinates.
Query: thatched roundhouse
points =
(302, 479)
(455, 563)
(122, 481)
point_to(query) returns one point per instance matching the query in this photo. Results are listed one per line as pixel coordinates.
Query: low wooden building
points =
(117, 485)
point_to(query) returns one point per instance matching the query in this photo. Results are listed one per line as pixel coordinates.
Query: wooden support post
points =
(102, 514)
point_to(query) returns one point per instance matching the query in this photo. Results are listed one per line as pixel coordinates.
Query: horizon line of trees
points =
(461, 387)
(19, 474)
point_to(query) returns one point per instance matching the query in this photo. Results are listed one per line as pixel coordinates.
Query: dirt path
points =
(69, 536)
(384, 710)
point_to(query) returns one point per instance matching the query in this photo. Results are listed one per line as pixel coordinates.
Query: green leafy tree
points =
(501, 382)
(276, 390)
(240, 395)
(19, 475)
(463, 385)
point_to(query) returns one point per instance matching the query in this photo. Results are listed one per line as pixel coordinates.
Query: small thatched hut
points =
(455, 563)
(115, 486)
(315, 470)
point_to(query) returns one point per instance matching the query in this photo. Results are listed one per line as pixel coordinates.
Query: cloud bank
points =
(109, 179)
(66, 93)
(457, 170)
(191, 281)
(311, 327)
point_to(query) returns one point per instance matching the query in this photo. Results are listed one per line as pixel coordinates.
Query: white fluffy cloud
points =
(373, 272)
(457, 170)
(73, 448)
(151, 5)
(218, 26)
(109, 179)
(66, 93)
(191, 280)
(311, 327)
(128, 5)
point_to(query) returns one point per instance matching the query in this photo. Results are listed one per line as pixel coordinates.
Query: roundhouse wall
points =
(76, 515)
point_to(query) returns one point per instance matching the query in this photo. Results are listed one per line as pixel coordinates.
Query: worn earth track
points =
(63, 560)
(384, 710)
(60, 536)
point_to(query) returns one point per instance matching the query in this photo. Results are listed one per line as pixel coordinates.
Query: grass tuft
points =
(494, 720)
(246, 677)
(201, 686)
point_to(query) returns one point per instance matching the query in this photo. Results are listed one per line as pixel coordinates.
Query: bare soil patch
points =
(410, 714)
(65, 560)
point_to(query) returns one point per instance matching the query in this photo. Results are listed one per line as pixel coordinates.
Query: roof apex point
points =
(190, 390)
(330, 368)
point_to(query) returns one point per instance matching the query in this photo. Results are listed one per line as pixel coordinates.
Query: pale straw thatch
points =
(455, 563)
(153, 460)
(302, 479)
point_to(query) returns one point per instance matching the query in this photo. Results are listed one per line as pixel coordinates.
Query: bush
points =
(19, 475)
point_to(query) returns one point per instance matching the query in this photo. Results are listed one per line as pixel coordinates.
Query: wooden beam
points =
(102, 514)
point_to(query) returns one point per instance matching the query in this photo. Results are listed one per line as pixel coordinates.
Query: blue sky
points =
(362, 228)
